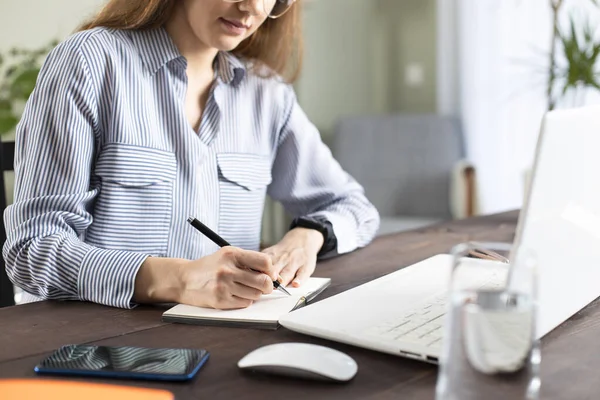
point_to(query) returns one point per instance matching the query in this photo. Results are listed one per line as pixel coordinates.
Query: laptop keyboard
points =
(423, 324)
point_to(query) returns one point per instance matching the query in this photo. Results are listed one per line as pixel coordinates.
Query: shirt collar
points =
(229, 68)
(157, 49)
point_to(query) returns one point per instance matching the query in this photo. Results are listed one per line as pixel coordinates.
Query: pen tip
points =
(190, 219)
(281, 288)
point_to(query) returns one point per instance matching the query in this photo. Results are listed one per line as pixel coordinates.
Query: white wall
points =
(447, 84)
(357, 52)
(340, 63)
(502, 92)
(412, 24)
(31, 23)
(503, 57)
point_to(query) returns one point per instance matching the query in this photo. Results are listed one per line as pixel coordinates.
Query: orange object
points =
(22, 389)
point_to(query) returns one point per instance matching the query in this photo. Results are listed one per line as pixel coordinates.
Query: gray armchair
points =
(411, 166)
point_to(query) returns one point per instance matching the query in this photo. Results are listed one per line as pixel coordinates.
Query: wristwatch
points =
(322, 225)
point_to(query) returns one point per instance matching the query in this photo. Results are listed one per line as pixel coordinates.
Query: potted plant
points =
(579, 53)
(20, 69)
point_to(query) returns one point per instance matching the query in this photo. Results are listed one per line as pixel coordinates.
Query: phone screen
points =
(127, 362)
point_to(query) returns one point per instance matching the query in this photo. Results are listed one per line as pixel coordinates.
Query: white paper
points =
(269, 308)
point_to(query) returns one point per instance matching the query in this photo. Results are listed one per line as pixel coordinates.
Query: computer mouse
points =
(301, 360)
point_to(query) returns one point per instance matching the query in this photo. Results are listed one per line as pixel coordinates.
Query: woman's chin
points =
(226, 43)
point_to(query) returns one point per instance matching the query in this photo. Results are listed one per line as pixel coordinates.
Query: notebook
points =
(263, 314)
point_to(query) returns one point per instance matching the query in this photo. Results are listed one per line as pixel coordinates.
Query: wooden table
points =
(570, 354)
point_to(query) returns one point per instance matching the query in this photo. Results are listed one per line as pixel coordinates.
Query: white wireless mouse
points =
(301, 360)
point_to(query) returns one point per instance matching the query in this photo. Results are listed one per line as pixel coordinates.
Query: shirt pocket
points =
(135, 202)
(243, 181)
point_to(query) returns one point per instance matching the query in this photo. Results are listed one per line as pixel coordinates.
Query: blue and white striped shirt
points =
(108, 169)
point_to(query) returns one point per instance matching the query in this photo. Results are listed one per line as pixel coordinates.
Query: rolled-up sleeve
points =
(45, 251)
(308, 181)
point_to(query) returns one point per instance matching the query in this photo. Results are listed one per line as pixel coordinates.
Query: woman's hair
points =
(277, 44)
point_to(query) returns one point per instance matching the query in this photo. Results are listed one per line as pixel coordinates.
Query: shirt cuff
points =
(108, 277)
(344, 229)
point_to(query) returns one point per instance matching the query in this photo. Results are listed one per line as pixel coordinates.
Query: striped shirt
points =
(108, 169)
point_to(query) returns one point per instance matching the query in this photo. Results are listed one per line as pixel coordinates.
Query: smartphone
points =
(124, 362)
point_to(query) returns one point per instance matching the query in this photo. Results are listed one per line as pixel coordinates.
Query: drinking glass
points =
(490, 350)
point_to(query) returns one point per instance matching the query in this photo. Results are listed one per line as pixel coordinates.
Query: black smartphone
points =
(124, 362)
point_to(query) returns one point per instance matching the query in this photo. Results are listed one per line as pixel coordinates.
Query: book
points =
(262, 314)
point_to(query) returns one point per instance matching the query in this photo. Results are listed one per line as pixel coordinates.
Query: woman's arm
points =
(308, 181)
(46, 254)
(55, 148)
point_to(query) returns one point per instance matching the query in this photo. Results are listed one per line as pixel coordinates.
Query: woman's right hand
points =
(222, 280)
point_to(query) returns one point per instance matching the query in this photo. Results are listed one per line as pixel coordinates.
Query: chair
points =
(7, 157)
(411, 166)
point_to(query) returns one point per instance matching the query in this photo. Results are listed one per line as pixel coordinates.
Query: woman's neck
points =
(199, 56)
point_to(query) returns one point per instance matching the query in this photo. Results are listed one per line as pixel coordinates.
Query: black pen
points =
(219, 241)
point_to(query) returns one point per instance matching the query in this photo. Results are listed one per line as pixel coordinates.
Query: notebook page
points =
(269, 308)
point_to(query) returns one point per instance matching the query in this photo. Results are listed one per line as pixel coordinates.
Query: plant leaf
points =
(595, 52)
(581, 57)
(587, 33)
(10, 71)
(5, 106)
(24, 83)
(573, 33)
(7, 123)
(565, 88)
(595, 84)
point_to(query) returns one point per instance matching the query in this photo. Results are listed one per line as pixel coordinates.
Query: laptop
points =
(560, 221)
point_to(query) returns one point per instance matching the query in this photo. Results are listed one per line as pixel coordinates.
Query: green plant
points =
(581, 59)
(20, 68)
(580, 53)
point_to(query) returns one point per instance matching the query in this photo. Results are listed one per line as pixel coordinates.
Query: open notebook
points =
(264, 313)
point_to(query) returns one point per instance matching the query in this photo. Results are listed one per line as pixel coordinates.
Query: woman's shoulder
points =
(264, 79)
(95, 39)
(97, 44)
(264, 75)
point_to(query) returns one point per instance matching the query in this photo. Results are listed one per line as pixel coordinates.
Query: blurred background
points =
(433, 105)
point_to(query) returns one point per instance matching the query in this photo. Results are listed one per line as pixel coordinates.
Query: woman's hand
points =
(295, 256)
(223, 280)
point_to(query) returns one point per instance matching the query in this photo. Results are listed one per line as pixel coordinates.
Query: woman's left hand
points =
(295, 256)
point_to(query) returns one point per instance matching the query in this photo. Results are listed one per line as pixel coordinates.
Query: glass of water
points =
(490, 348)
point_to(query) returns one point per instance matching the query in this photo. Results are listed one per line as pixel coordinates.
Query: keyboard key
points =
(424, 323)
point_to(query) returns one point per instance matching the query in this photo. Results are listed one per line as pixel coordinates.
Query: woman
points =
(158, 110)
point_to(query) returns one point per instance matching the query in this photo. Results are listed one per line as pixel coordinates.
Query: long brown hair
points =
(277, 44)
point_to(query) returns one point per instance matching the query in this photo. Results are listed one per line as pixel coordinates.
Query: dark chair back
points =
(7, 159)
